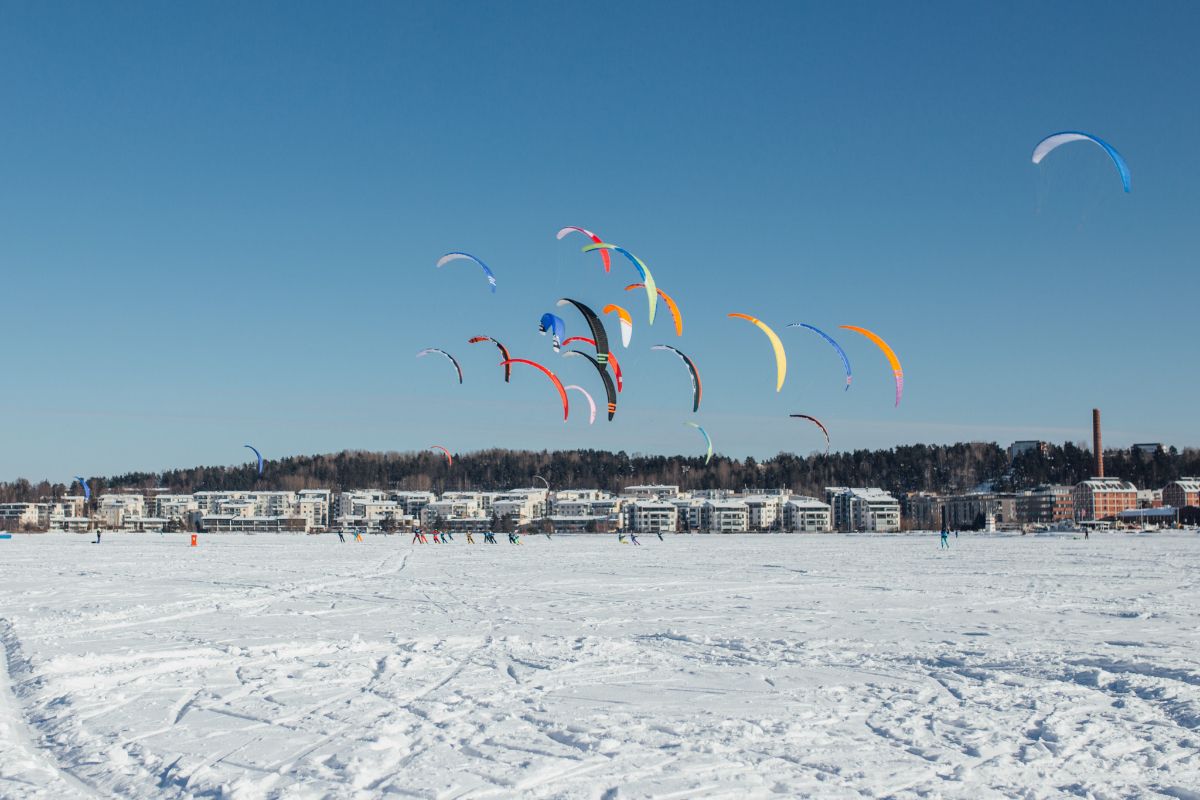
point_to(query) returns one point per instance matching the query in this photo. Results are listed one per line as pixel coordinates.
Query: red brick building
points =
(1102, 498)
(1183, 492)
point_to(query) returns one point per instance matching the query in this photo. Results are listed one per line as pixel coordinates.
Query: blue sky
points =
(219, 223)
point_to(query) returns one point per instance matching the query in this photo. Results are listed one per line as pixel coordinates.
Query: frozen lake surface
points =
(701, 666)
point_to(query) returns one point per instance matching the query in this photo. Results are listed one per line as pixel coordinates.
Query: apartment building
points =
(807, 515)
(1181, 493)
(1102, 498)
(863, 509)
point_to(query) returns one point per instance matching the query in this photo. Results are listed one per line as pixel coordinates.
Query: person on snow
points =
(633, 538)
(341, 538)
(945, 540)
(470, 538)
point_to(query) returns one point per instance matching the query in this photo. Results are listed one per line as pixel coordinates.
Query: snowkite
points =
(626, 322)
(836, 346)
(87, 490)
(675, 315)
(503, 351)
(429, 350)
(1056, 140)
(257, 455)
(707, 440)
(612, 359)
(553, 325)
(889, 353)
(591, 404)
(562, 393)
(609, 390)
(604, 254)
(697, 389)
(780, 356)
(445, 452)
(819, 424)
(599, 335)
(640, 266)
(446, 259)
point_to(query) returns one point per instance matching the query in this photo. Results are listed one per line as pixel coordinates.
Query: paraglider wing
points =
(640, 266)
(503, 352)
(257, 455)
(819, 424)
(445, 452)
(612, 359)
(599, 335)
(891, 357)
(608, 384)
(555, 327)
(87, 490)
(1056, 140)
(626, 322)
(697, 389)
(446, 259)
(780, 356)
(836, 346)
(707, 440)
(675, 315)
(562, 393)
(604, 254)
(453, 361)
(591, 404)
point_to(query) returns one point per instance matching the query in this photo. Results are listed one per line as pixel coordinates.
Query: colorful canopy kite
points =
(707, 440)
(451, 358)
(612, 358)
(836, 346)
(604, 254)
(891, 357)
(591, 404)
(562, 393)
(445, 452)
(598, 333)
(675, 315)
(626, 322)
(697, 389)
(503, 351)
(257, 455)
(555, 327)
(87, 490)
(1056, 140)
(780, 356)
(818, 423)
(446, 259)
(608, 384)
(640, 266)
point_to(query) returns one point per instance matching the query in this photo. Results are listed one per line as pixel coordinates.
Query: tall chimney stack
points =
(1097, 447)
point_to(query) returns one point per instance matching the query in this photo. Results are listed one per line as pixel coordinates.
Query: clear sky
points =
(219, 223)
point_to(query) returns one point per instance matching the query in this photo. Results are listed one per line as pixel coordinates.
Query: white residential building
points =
(648, 516)
(859, 509)
(765, 511)
(651, 492)
(807, 515)
(726, 516)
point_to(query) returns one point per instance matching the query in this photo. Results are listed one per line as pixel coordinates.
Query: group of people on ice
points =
(445, 537)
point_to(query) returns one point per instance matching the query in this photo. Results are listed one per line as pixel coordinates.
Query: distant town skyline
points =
(222, 227)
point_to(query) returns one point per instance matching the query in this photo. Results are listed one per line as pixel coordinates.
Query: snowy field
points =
(701, 666)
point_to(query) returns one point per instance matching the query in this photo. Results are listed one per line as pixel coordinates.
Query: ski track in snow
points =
(701, 666)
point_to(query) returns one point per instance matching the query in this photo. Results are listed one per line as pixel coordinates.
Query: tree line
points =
(945, 469)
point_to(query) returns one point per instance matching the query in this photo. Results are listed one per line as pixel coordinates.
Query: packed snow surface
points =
(699, 666)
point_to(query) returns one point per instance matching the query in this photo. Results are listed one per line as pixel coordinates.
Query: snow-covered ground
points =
(701, 666)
